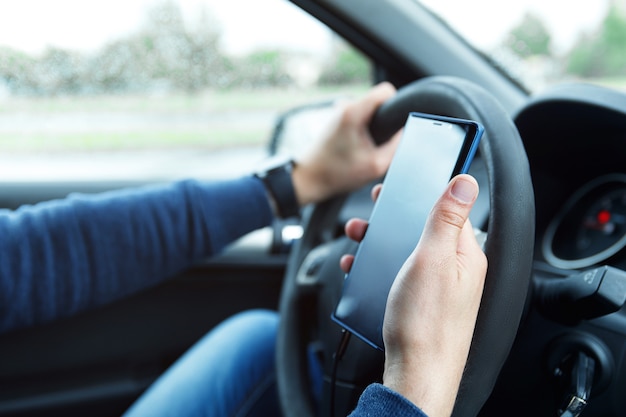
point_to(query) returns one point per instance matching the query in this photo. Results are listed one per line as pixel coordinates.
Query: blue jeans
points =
(229, 372)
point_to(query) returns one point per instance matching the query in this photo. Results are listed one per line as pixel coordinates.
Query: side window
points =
(158, 89)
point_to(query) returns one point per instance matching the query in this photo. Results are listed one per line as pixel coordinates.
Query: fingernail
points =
(464, 190)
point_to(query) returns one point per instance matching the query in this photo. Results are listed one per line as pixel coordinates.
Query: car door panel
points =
(104, 358)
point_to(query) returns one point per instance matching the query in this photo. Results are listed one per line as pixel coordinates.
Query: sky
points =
(55, 23)
(32, 25)
(566, 18)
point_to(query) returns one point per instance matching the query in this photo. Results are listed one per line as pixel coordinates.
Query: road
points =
(135, 163)
(129, 165)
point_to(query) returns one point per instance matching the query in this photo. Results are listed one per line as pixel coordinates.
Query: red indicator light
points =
(604, 216)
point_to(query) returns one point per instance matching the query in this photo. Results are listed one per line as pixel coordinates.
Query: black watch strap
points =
(279, 185)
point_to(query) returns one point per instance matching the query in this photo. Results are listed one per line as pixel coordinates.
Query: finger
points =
(346, 263)
(470, 254)
(355, 229)
(376, 191)
(467, 240)
(450, 213)
(385, 151)
(375, 97)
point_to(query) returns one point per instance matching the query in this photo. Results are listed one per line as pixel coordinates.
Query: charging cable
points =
(341, 349)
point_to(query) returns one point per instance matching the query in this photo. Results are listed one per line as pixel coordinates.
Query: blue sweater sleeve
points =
(379, 401)
(63, 256)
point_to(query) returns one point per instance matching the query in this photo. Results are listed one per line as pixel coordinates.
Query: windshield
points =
(542, 42)
(158, 89)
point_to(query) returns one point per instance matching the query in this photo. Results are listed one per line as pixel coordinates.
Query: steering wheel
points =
(313, 279)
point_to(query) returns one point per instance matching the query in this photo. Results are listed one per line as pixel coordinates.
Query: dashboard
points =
(575, 139)
(590, 228)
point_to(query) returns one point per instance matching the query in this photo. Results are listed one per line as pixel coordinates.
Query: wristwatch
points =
(276, 177)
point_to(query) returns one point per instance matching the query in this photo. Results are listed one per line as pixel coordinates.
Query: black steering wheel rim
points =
(509, 244)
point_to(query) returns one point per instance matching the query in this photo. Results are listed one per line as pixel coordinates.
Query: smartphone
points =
(431, 151)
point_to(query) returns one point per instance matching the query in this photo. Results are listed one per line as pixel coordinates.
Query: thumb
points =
(375, 97)
(451, 211)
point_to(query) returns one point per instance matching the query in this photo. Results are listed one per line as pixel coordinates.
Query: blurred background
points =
(159, 89)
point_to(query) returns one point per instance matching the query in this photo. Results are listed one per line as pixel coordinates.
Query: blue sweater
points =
(379, 401)
(64, 256)
(61, 257)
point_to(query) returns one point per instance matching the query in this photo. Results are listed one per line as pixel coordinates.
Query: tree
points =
(165, 53)
(59, 72)
(585, 59)
(262, 68)
(17, 71)
(207, 66)
(612, 41)
(601, 54)
(529, 38)
(348, 67)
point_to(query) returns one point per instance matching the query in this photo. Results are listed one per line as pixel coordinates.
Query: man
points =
(65, 256)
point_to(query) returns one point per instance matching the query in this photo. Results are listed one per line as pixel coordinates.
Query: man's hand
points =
(347, 157)
(433, 304)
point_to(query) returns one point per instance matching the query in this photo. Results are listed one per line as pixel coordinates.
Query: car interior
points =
(551, 333)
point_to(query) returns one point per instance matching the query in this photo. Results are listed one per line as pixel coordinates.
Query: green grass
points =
(219, 131)
(221, 100)
(131, 140)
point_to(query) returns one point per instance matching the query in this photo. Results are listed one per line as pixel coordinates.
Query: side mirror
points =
(298, 128)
